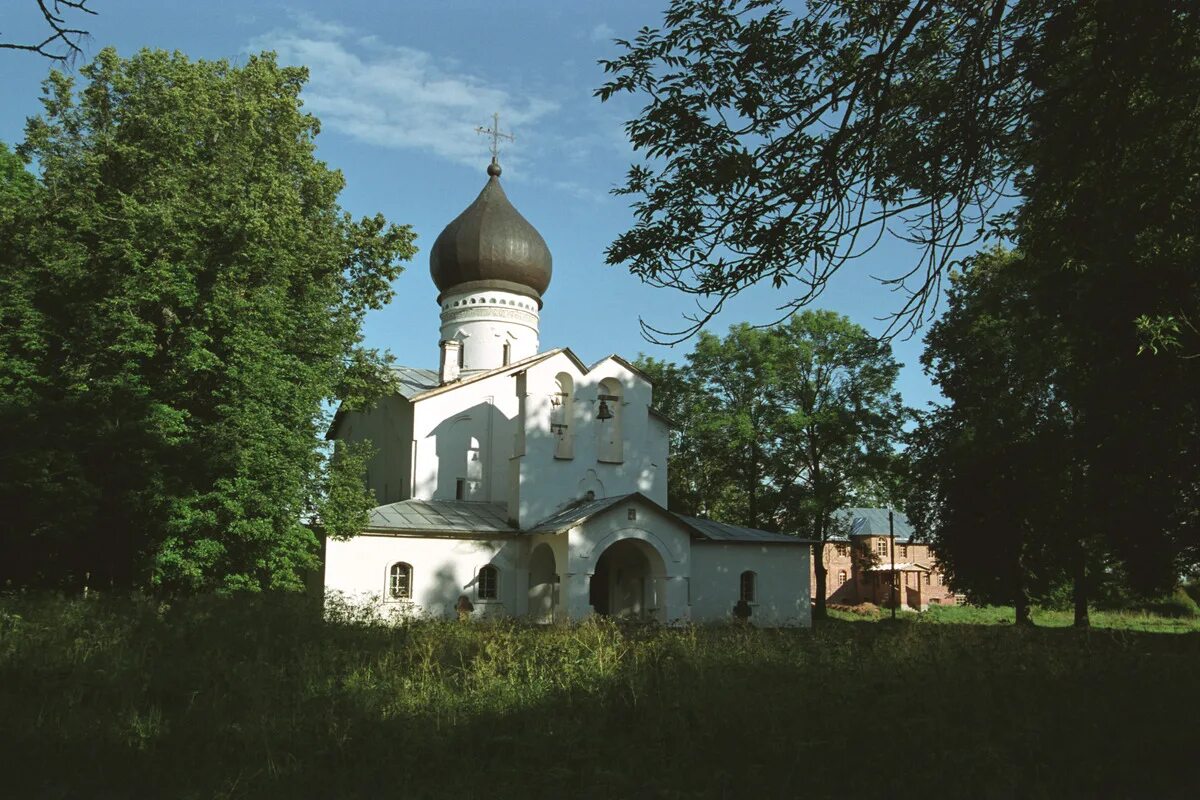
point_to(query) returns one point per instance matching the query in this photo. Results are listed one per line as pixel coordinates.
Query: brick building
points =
(860, 564)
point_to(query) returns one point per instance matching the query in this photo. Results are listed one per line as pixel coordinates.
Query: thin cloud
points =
(398, 97)
(602, 33)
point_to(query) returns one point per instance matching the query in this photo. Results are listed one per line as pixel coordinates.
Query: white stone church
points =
(530, 483)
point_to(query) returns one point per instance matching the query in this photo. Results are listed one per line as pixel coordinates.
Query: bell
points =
(604, 412)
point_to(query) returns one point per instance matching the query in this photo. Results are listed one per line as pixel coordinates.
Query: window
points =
(632, 513)
(561, 414)
(507, 353)
(400, 581)
(928, 578)
(841, 577)
(747, 587)
(841, 549)
(489, 582)
(904, 551)
(941, 579)
(881, 547)
(460, 489)
(609, 439)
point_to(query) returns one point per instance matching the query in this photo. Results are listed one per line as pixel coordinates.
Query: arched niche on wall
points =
(609, 440)
(562, 415)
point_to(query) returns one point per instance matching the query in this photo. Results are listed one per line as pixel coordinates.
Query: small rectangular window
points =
(841, 549)
(904, 551)
(632, 513)
(928, 578)
(881, 547)
(460, 489)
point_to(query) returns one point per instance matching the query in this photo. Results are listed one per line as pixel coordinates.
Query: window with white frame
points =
(488, 585)
(747, 586)
(841, 577)
(881, 546)
(400, 581)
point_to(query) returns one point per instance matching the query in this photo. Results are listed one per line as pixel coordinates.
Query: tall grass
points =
(260, 697)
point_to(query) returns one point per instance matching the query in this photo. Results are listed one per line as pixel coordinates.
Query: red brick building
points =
(861, 568)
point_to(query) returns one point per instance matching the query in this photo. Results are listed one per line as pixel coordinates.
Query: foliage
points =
(779, 428)
(258, 697)
(181, 299)
(993, 469)
(778, 147)
(1109, 224)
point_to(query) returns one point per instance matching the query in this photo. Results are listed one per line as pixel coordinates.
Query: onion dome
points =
(491, 246)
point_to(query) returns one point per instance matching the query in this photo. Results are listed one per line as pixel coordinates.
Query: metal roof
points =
(463, 516)
(724, 532)
(874, 522)
(573, 515)
(414, 380)
(441, 516)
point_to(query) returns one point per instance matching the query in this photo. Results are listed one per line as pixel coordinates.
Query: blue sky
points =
(401, 86)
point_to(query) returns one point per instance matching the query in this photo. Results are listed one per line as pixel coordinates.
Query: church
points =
(520, 482)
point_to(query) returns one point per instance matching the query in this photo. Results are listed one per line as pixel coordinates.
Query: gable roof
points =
(724, 532)
(874, 522)
(466, 516)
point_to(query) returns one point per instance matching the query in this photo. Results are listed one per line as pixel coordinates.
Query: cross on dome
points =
(496, 135)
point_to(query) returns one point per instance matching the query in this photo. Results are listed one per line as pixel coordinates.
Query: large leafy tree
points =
(995, 479)
(1109, 222)
(182, 296)
(778, 147)
(842, 418)
(780, 428)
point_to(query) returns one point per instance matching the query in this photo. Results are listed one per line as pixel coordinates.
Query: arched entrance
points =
(542, 581)
(629, 582)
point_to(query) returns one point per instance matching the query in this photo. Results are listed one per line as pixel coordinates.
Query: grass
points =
(258, 698)
(1141, 621)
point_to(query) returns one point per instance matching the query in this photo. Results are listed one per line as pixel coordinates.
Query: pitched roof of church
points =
(724, 532)
(441, 516)
(466, 516)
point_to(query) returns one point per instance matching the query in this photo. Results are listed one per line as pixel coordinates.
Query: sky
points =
(400, 88)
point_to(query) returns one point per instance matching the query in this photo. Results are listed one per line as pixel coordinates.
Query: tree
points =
(995, 473)
(841, 422)
(778, 148)
(63, 42)
(181, 299)
(780, 428)
(1109, 224)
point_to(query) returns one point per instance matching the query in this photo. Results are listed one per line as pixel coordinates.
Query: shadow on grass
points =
(257, 697)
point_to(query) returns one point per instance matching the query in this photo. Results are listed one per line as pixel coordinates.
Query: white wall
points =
(484, 320)
(388, 426)
(547, 482)
(782, 592)
(443, 569)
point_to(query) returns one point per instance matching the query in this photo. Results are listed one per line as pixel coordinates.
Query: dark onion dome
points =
(491, 246)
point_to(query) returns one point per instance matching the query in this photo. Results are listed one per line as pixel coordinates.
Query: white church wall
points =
(465, 433)
(443, 569)
(388, 426)
(496, 327)
(781, 582)
(548, 480)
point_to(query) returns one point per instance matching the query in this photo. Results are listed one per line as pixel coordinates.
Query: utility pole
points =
(892, 536)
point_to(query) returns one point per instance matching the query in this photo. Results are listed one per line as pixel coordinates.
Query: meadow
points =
(259, 697)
